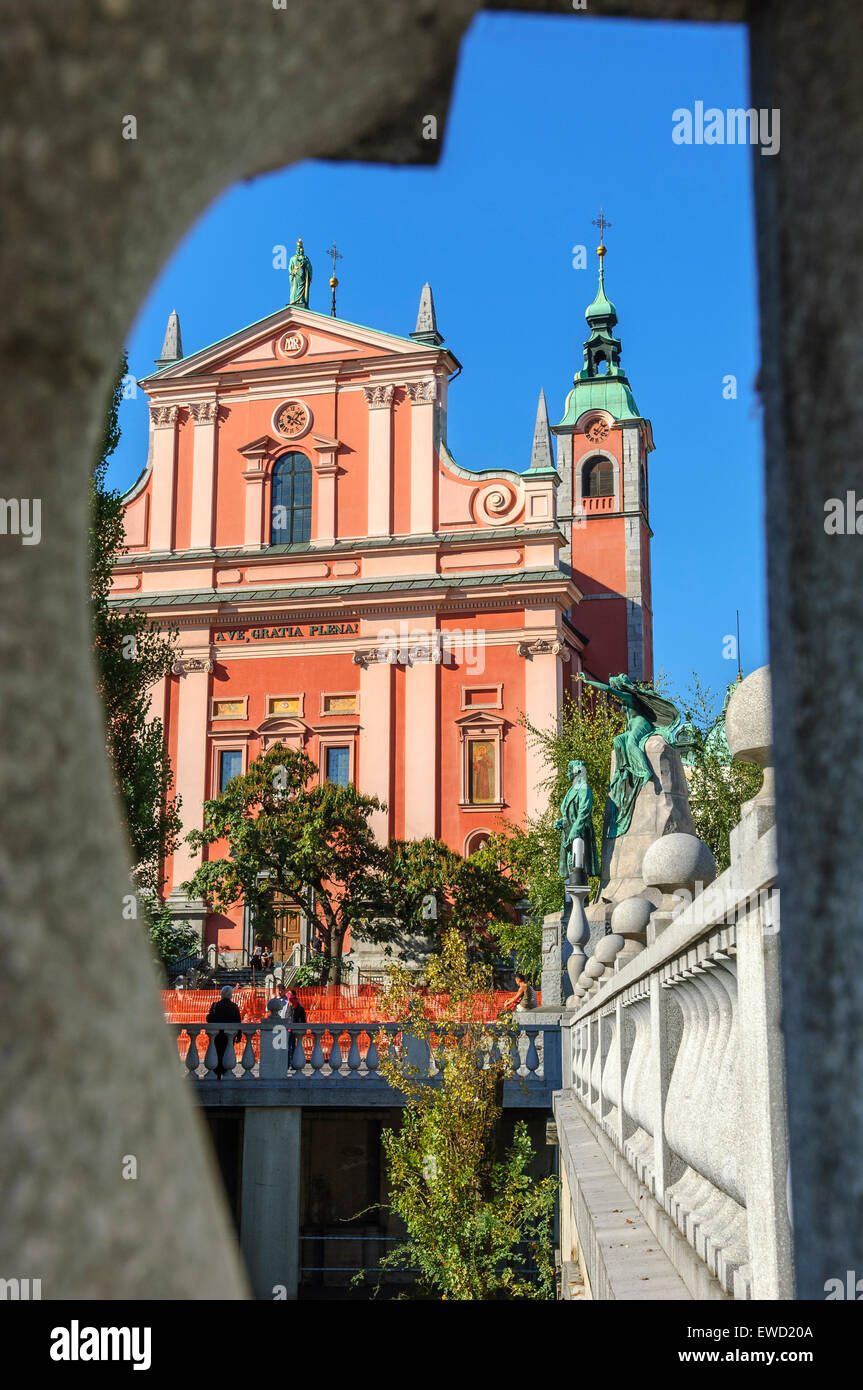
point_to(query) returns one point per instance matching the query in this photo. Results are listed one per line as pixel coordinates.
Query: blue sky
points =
(551, 116)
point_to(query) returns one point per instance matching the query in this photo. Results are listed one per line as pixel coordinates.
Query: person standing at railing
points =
(224, 1010)
(295, 1013)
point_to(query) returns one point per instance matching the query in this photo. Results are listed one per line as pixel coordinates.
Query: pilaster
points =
(380, 481)
(193, 667)
(423, 396)
(205, 415)
(163, 422)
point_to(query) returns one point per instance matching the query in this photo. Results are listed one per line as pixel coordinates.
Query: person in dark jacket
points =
(224, 1011)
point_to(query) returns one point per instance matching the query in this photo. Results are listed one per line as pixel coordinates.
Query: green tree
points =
(718, 786)
(297, 843)
(469, 1214)
(530, 853)
(428, 888)
(131, 656)
(292, 842)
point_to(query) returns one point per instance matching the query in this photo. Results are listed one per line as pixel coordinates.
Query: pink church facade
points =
(342, 586)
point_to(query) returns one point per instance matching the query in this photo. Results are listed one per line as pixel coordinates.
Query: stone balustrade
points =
(674, 1080)
(300, 1055)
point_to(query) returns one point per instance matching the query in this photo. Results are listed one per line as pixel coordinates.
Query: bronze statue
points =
(576, 822)
(646, 713)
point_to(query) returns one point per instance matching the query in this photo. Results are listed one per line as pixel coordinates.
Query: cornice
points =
(269, 607)
(492, 536)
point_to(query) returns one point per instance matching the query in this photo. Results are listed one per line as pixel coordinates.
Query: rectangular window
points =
(482, 772)
(339, 704)
(338, 765)
(230, 766)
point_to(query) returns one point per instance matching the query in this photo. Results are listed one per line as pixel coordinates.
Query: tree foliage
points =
(474, 896)
(131, 656)
(476, 1222)
(294, 842)
(717, 786)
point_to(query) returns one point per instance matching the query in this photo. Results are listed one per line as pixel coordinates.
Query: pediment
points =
(287, 725)
(291, 339)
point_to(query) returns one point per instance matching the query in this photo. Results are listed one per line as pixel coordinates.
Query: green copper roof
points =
(219, 599)
(601, 311)
(609, 393)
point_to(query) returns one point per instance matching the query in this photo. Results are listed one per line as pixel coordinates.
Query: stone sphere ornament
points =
(630, 917)
(678, 861)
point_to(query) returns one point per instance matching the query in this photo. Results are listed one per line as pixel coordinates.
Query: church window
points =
(230, 766)
(598, 478)
(642, 486)
(291, 512)
(338, 764)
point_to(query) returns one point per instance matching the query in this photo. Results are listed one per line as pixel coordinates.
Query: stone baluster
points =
(248, 1058)
(298, 1061)
(193, 1061)
(531, 1061)
(577, 933)
(317, 1057)
(335, 1053)
(354, 1050)
(372, 1056)
(211, 1060)
(609, 1082)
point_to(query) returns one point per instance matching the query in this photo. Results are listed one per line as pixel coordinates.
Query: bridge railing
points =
(676, 1059)
(338, 1053)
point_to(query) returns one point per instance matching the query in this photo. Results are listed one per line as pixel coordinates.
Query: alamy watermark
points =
(21, 517)
(735, 126)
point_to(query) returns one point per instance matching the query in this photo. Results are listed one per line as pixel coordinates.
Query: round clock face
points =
(292, 419)
(597, 430)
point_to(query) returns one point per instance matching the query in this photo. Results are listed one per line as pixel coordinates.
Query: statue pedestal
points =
(551, 979)
(661, 808)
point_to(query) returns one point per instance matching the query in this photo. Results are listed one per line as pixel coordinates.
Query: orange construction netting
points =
(323, 1004)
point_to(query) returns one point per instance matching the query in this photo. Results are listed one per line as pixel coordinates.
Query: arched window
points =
(598, 478)
(291, 514)
(642, 486)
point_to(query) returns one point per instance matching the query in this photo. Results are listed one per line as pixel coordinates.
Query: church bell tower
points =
(603, 504)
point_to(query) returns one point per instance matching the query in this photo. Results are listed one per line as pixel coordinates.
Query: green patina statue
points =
(300, 271)
(646, 713)
(576, 822)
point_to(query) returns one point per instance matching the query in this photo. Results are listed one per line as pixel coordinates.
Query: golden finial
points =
(336, 256)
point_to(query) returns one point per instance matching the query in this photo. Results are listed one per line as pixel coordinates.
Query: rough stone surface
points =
(810, 277)
(661, 808)
(218, 93)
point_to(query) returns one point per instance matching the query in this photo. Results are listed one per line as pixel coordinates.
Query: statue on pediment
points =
(300, 271)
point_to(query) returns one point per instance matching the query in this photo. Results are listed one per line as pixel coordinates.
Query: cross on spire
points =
(602, 223)
(335, 255)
